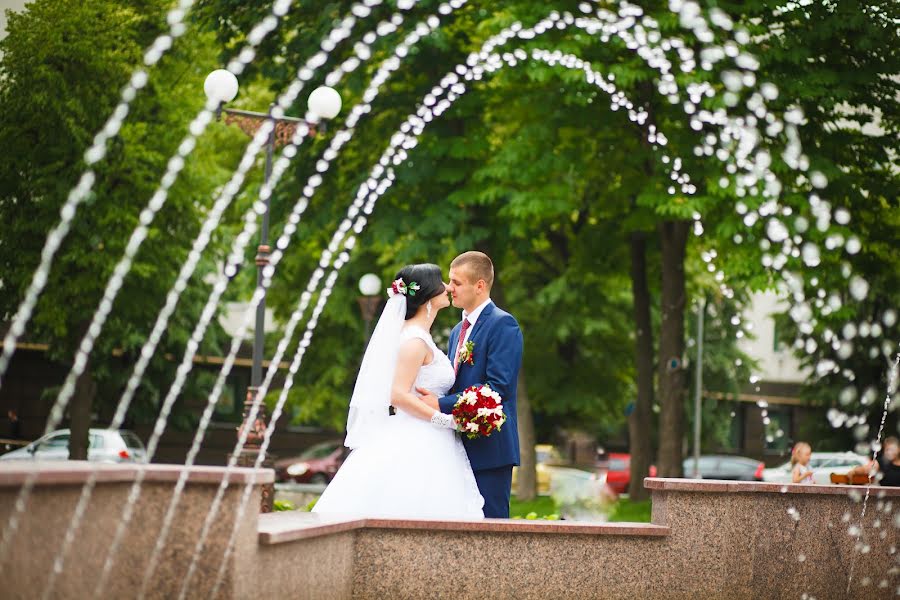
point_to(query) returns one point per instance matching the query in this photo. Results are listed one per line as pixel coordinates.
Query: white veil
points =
(371, 398)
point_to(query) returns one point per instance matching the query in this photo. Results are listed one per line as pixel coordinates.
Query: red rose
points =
(466, 414)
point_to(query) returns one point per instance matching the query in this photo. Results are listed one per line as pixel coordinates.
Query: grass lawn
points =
(631, 512)
(542, 505)
(623, 511)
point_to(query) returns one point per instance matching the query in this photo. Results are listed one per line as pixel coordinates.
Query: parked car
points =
(617, 466)
(547, 460)
(823, 464)
(106, 445)
(316, 464)
(725, 466)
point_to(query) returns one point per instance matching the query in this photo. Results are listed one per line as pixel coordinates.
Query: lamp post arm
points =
(250, 122)
(261, 116)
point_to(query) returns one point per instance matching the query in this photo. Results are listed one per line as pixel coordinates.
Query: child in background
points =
(800, 471)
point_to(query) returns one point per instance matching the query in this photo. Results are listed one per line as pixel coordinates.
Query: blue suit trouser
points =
(495, 486)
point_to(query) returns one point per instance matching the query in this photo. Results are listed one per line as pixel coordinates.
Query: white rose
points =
(472, 426)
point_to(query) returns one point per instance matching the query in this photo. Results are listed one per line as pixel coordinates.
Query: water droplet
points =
(776, 231)
(842, 216)
(811, 255)
(845, 350)
(818, 179)
(868, 396)
(95, 154)
(859, 288)
(847, 395)
(824, 367)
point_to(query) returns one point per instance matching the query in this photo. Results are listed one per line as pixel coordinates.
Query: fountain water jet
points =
(157, 200)
(229, 193)
(550, 58)
(337, 142)
(80, 192)
(412, 145)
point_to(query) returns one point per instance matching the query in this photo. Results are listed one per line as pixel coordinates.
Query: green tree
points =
(531, 166)
(62, 66)
(849, 60)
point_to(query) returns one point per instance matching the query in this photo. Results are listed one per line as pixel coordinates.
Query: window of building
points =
(778, 429)
(230, 404)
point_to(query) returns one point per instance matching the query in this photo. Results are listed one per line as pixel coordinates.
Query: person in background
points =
(800, 471)
(888, 464)
(15, 428)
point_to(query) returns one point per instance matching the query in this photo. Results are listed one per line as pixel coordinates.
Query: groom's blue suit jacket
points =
(497, 356)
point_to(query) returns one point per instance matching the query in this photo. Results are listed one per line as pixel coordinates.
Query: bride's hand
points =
(439, 419)
(428, 398)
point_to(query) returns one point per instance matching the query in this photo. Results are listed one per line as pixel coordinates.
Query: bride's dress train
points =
(410, 468)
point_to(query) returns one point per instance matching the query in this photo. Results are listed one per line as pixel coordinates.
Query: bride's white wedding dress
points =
(410, 468)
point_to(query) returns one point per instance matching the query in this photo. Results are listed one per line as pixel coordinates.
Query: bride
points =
(410, 464)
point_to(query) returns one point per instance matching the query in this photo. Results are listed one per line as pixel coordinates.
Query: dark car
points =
(316, 464)
(735, 468)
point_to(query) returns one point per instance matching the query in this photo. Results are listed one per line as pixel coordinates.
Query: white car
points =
(823, 464)
(106, 445)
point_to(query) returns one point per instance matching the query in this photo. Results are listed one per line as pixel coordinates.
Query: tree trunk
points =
(80, 415)
(640, 420)
(526, 486)
(672, 376)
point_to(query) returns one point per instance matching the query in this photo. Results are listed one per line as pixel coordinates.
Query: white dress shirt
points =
(472, 317)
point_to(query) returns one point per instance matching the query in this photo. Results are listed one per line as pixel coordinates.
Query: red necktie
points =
(459, 346)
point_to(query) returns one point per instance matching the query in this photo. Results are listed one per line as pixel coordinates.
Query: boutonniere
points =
(467, 353)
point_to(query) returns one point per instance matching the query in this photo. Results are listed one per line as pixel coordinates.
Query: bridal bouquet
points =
(478, 412)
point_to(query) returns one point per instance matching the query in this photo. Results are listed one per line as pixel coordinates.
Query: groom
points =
(485, 348)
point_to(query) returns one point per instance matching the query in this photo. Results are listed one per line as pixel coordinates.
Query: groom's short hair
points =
(479, 265)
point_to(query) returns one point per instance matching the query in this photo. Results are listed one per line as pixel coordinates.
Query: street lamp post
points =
(698, 387)
(222, 86)
(370, 288)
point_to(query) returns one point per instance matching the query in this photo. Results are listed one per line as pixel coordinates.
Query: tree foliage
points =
(531, 165)
(62, 67)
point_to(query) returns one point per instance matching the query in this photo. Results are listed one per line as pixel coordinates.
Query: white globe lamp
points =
(370, 285)
(221, 86)
(324, 102)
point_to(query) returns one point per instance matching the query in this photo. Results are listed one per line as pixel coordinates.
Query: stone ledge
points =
(288, 526)
(717, 486)
(277, 528)
(15, 473)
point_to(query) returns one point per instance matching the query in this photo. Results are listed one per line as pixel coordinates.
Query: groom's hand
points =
(428, 398)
